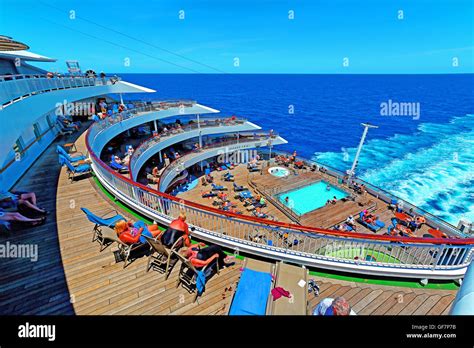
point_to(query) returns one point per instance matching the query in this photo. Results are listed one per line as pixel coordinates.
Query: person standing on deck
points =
(337, 306)
(166, 159)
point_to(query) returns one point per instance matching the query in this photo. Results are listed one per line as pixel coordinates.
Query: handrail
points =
(157, 138)
(276, 224)
(18, 87)
(389, 255)
(254, 137)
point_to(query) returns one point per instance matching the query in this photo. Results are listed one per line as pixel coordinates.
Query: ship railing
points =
(340, 178)
(139, 111)
(17, 87)
(270, 194)
(177, 166)
(353, 251)
(191, 126)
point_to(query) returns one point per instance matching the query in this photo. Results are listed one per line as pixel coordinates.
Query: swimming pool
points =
(279, 172)
(310, 197)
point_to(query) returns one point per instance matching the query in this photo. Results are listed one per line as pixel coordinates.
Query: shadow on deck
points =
(39, 287)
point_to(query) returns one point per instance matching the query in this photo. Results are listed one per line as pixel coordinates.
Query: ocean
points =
(422, 150)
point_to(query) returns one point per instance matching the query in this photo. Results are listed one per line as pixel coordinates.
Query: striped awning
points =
(7, 44)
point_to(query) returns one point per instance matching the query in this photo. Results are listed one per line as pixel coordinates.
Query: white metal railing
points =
(118, 117)
(352, 252)
(158, 138)
(17, 87)
(178, 165)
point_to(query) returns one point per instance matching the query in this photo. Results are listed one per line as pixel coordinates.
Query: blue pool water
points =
(428, 161)
(310, 197)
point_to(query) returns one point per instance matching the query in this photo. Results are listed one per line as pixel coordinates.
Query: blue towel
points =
(140, 224)
(252, 293)
(200, 282)
(379, 223)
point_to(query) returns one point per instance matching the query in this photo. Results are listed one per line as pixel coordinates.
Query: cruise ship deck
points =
(73, 277)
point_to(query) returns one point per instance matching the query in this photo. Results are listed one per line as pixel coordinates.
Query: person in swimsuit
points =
(177, 228)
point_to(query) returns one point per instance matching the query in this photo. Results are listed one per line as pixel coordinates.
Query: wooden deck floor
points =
(72, 276)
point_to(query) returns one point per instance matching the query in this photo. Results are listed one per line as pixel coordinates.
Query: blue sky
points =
(429, 38)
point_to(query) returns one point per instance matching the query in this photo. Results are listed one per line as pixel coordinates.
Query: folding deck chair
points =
(188, 274)
(162, 260)
(104, 237)
(72, 170)
(60, 150)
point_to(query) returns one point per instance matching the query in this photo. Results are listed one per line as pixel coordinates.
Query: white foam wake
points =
(433, 169)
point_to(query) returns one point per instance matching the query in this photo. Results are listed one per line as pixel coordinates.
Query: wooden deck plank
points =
(413, 305)
(443, 304)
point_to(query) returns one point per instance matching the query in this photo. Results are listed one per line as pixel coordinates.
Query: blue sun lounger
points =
(117, 166)
(73, 170)
(218, 187)
(377, 225)
(253, 290)
(238, 188)
(60, 151)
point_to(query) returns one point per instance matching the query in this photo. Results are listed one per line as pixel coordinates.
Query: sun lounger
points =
(188, 274)
(103, 221)
(375, 226)
(117, 166)
(74, 171)
(72, 159)
(218, 187)
(295, 280)
(211, 194)
(238, 188)
(64, 128)
(253, 168)
(160, 258)
(253, 290)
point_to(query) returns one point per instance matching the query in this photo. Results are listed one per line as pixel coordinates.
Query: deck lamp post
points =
(351, 172)
(270, 144)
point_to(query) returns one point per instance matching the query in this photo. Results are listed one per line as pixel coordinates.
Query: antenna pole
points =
(359, 149)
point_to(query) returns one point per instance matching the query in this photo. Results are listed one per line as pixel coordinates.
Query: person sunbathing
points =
(131, 233)
(177, 228)
(154, 176)
(209, 178)
(20, 199)
(201, 255)
(350, 221)
(259, 213)
(222, 195)
(117, 160)
(17, 217)
(208, 194)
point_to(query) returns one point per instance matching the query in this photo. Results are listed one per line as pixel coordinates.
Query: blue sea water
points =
(428, 161)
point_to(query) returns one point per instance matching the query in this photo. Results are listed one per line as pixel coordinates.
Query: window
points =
(37, 131)
(50, 122)
(18, 148)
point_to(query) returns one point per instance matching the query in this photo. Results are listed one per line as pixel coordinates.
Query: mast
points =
(359, 149)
